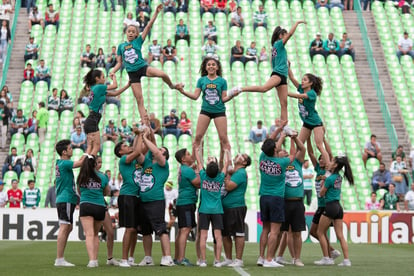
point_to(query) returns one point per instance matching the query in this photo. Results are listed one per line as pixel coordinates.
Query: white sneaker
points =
(236, 263)
(198, 262)
(167, 261)
(335, 254)
(272, 263)
(289, 131)
(226, 262)
(62, 262)
(324, 261)
(282, 261)
(131, 262)
(298, 262)
(93, 264)
(202, 263)
(113, 262)
(345, 262)
(217, 263)
(260, 261)
(124, 263)
(147, 261)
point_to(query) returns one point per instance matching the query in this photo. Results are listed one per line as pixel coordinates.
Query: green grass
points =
(36, 258)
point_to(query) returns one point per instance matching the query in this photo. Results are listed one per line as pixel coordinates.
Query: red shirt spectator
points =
(207, 3)
(28, 73)
(221, 4)
(15, 197)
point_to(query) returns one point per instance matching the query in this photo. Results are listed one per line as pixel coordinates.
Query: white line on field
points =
(239, 270)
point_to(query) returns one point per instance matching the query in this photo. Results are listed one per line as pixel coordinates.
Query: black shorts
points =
(272, 209)
(283, 79)
(153, 219)
(310, 127)
(372, 156)
(333, 210)
(92, 210)
(294, 216)
(128, 207)
(135, 77)
(186, 215)
(317, 215)
(35, 23)
(213, 115)
(65, 212)
(91, 123)
(205, 219)
(233, 220)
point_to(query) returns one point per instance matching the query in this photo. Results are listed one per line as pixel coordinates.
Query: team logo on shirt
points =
(147, 180)
(211, 94)
(211, 186)
(137, 174)
(338, 183)
(130, 55)
(293, 178)
(224, 192)
(302, 110)
(91, 184)
(57, 171)
(270, 168)
(274, 53)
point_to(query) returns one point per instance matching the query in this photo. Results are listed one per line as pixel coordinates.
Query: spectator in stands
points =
(237, 53)
(52, 17)
(81, 117)
(142, 21)
(170, 124)
(4, 123)
(143, 5)
(125, 131)
(336, 3)
(221, 6)
(129, 20)
(155, 51)
(65, 101)
(169, 52)
(4, 199)
(111, 60)
(118, 181)
(346, 47)
(50, 200)
(42, 118)
(399, 178)
(4, 40)
(7, 97)
(399, 152)
(28, 73)
(35, 18)
(32, 123)
(322, 3)
(390, 200)
(207, 6)
(260, 18)
(43, 73)
(53, 101)
(405, 46)
(30, 4)
(11, 163)
(409, 199)
(210, 49)
(258, 133)
(110, 132)
(316, 47)
(232, 6)
(87, 58)
(372, 203)
(366, 3)
(181, 32)
(182, 5)
(111, 183)
(31, 50)
(210, 31)
(170, 6)
(308, 176)
(122, 3)
(237, 18)
(263, 55)
(106, 4)
(331, 45)
(100, 59)
(185, 124)
(15, 194)
(273, 128)
(6, 10)
(372, 149)
(78, 139)
(28, 161)
(75, 124)
(18, 123)
(251, 53)
(155, 124)
(381, 178)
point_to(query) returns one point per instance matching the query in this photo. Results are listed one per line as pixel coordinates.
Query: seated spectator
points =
(390, 200)
(28, 73)
(170, 6)
(210, 31)
(346, 47)
(258, 133)
(185, 124)
(4, 199)
(65, 101)
(87, 58)
(210, 49)
(155, 52)
(207, 6)
(6, 10)
(5, 114)
(125, 131)
(106, 5)
(143, 5)
(30, 4)
(260, 18)
(237, 53)
(15, 194)
(381, 178)
(32, 123)
(129, 20)
(409, 199)
(155, 124)
(35, 18)
(111, 61)
(170, 124)
(398, 152)
(237, 18)
(263, 55)
(18, 123)
(84, 95)
(114, 100)
(232, 6)
(221, 6)
(373, 203)
(331, 46)
(316, 47)
(31, 196)
(336, 3)
(53, 101)
(322, 3)
(405, 47)
(278, 123)
(251, 53)
(181, 32)
(182, 5)
(75, 124)
(100, 59)
(142, 21)
(43, 74)
(399, 177)
(169, 52)
(78, 139)
(50, 200)
(110, 132)
(31, 50)
(81, 117)
(372, 149)
(11, 163)
(52, 17)
(403, 5)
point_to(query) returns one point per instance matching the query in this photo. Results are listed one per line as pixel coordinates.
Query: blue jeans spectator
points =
(114, 100)
(174, 131)
(46, 79)
(366, 3)
(106, 5)
(233, 59)
(56, 23)
(3, 49)
(170, 9)
(241, 25)
(146, 9)
(30, 4)
(122, 3)
(17, 168)
(339, 5)
(212, 10)
(410, 53)
(347, 52)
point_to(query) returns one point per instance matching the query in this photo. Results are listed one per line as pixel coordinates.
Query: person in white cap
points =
(316, 47)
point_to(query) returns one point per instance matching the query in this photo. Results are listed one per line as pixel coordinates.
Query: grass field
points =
(37, 258)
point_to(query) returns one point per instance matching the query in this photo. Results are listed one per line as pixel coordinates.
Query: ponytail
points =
(90, 78)
(317, 83)
(87, 171)
(276, 34)
(343, 162)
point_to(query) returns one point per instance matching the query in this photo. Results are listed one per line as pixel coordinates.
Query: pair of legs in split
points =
(319, 135)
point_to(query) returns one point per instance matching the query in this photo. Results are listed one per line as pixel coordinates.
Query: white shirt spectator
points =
(405, 44)
(409, 196)
(369, 146)
(35, 17)
(170, 196)
(128, 22)
(5, 11)
(237, 18)
(113, 185)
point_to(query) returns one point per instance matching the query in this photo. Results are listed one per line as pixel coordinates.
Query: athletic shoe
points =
(131, 262)
(345, 262)
(289, 131)
(198, 262)
(167, 261)
(93, 264)
(324, 261)
(236, 263)
(260, 261)
(298, 262)
(62, 262)
(147, 261)
(282, 261)
(272, 263)
(202, 263)
(335, 254)
(113, 262)
(226, 262)
(217, 263)
(186, 262)
(124, 263)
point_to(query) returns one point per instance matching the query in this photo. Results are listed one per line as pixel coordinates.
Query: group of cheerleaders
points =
(212, 84)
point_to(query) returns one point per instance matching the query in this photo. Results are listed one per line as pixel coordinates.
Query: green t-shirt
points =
(19, 121)
(211, 93)
(98, 97)
(92, 192)
(210, 195)
(42, 117)
(131, 54)
(272, 175)
(390, 201)
(279, 58)
(31, 197)
(131, 175)
(333, 185)
(65, 182)
(294, 180)
(153, 179)
(235, 198)
(307, 111)
(187, 193)
(318, 185)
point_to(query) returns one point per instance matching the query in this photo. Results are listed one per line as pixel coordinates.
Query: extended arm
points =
(158, 156)
(193, 96)
(292, 78)
(151, 22)
(292, 31)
